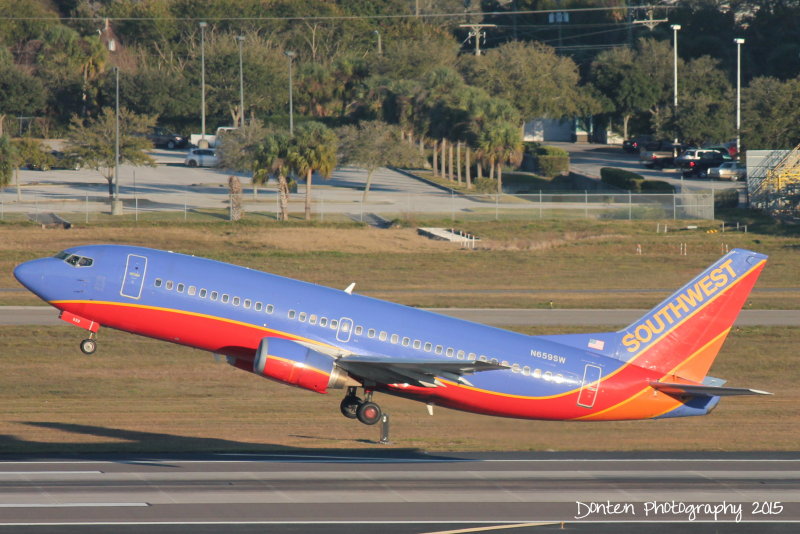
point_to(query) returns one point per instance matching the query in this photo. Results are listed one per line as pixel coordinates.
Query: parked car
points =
(164, 138)
(201, 157)
(730, 170)
(659, 154)
(633, 144)
(698, 166)
(696, 154)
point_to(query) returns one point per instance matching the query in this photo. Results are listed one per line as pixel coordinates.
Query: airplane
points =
(323, 339)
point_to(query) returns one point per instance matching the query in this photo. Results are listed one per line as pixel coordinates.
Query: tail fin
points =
(682, 335)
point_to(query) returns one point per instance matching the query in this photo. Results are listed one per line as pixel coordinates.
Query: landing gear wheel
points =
(349, 406)
(88, 346)
(369, 413)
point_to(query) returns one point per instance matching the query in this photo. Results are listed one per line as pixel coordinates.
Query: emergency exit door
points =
(134, 276)
(590, 385)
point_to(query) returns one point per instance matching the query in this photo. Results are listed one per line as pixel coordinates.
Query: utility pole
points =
(675, 28)
(240, 40)
(203, 143)
(739, 42)
(476, 33)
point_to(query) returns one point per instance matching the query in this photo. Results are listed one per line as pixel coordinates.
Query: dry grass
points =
(140, 395)
(574, 264)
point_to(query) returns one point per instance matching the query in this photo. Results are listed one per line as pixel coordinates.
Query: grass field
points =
(140, 395)
(572, 264)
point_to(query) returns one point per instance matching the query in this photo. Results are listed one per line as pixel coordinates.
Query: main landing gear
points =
(365, 411)
(89, 345)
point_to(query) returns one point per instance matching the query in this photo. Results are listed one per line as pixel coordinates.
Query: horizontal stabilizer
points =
(704, 390)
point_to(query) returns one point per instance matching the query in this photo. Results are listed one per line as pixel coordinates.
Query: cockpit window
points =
(74, 259)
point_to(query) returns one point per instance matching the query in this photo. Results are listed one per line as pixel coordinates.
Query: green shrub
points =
(486, 185)
(621, 178)
(547, 150)
(726, 198)
(657, 186)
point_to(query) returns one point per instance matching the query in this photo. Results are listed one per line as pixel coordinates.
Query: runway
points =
(46, 315)
(412, 492)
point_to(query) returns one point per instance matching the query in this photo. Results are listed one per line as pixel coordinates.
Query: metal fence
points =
(331, 204)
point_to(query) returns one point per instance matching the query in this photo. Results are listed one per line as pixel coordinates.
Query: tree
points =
(7, 161)
(93, 142)
(375, 144)
(240, 148)
(770, 116)
(313, 149)
(272, 159)
(618, 76)
(706, 103)
(500, 143)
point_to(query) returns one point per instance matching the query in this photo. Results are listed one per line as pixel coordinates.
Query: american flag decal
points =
(596, 344)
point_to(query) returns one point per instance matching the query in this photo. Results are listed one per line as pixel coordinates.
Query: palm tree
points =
(272, 159)
(500, 142)
(313, 149)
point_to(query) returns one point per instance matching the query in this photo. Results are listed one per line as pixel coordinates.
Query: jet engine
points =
(296, 365)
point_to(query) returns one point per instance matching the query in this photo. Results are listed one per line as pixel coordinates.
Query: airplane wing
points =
(701, 389)
(417, 372)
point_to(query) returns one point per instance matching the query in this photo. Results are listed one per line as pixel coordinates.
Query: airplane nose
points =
(30, 274)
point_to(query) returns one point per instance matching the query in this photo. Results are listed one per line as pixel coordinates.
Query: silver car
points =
(201, 157)
(730, 170)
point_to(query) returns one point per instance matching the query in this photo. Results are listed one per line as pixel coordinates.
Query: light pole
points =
(116, 206)
(380, 47)
(240, 40)
(291, 55)
(203, 142)
(675, 28)
(739, 42)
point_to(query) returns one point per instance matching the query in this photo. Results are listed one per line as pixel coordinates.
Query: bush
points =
(486, 185)
(552, 161)
(621, 178)
(726, 198)
(657, 186)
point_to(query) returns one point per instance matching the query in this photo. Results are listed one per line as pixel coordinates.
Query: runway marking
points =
(495, 527)
(77, 505)
(49, 473)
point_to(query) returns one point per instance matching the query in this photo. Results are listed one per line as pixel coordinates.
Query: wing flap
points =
(417, 372)
(677, 389)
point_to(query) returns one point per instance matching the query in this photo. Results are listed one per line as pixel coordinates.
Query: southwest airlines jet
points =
(325, 339)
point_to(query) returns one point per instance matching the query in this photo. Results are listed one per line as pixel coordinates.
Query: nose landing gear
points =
(365, 411)
(88, 346)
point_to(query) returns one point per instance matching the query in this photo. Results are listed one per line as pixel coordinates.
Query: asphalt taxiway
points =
(412, 491)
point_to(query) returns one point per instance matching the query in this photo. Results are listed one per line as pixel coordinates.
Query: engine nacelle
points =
(296, 365)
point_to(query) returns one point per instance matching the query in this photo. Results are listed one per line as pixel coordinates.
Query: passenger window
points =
(345, 327)
(214, 295)
(526, 371)
(203, 293)
(439, 349)
(270, 308)
(292, 314)
(323, 321)
(158, 282)
(428, 347)
(225, 298)
(248, 303)
(460, 355)
(537, 373)
(359, 330)
(395, 338)
(494, 361)
(471, 356)
(180, 288)
(559, 378)
(382, 335)
(191, 291)
(259, 306)
(334, 324)
(371, 333)
(505, 362)
(483, 358)
(169, 285)
(417, 344)
(450, 352)
(302, 317)
(548, 376)
(236, 301)
(312, 319)
(515, 368)
(406, 341)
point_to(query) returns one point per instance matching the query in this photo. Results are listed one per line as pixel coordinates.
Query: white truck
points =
(212, 140)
